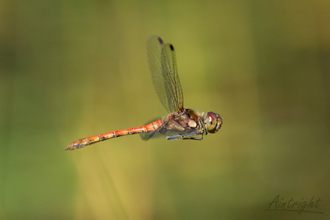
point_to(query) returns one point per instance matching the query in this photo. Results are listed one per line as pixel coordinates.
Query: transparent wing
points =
(164, 130)
(153, 134)
(162, 63)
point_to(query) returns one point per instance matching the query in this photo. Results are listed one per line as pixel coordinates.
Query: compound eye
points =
(213, 122)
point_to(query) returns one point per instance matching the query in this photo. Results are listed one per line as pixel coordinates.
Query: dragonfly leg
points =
(190, 136)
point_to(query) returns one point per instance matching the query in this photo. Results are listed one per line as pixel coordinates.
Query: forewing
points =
(163, 67)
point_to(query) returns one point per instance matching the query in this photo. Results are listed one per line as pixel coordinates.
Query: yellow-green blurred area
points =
(73, 69)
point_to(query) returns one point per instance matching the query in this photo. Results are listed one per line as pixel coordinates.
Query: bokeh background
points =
(72, 69)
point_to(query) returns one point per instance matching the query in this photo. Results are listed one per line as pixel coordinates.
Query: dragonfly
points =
(181, 123)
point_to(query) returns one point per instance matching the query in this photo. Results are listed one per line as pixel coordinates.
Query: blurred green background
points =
(72, 69)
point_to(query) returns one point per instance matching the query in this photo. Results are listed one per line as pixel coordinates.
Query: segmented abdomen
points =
(97, 138)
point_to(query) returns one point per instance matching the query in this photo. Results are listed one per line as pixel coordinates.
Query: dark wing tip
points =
(171, 46)
(160, 41)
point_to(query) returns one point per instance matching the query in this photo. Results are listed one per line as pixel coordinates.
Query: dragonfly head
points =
(212, 122)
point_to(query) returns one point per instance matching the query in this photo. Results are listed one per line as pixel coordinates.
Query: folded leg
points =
(189, 136)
